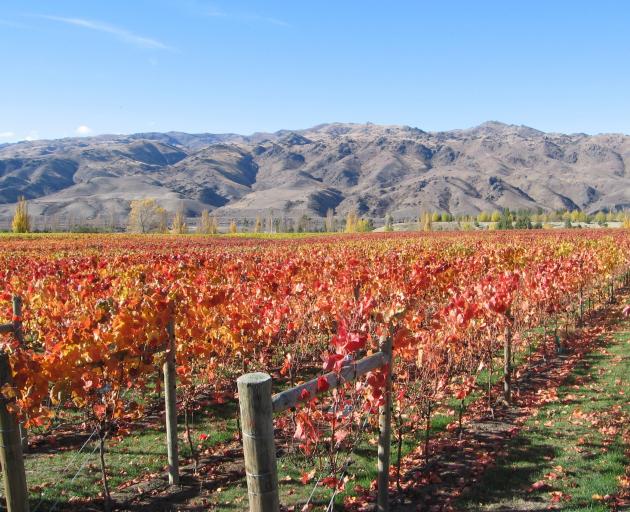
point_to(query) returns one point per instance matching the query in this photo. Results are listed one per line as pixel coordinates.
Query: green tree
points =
(600, 218)
(505, 221)
(364, 225)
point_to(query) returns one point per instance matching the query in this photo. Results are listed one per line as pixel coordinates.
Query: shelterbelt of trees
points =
(147, 216)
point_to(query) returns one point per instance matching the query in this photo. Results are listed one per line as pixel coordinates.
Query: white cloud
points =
(7, 135)
(120, 33)
(32, 135)
(83, 130)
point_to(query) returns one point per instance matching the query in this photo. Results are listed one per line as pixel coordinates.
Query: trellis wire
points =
(70, 464)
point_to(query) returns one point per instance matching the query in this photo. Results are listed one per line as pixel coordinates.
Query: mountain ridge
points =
(372, 168)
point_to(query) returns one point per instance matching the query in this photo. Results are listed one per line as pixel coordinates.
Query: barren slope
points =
(376, 169)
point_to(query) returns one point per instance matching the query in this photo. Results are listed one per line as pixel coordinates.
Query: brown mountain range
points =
(375, 169)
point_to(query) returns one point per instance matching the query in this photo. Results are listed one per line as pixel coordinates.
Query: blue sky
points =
(82, 67)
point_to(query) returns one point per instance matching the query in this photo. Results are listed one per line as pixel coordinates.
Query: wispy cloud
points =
(7, 135)
(118, 32)
(216, 13)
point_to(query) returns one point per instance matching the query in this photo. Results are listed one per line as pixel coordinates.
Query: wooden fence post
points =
(254, 392)
(507, 365)
(17, 331)
(170, 406)
(385, 432)
(11, 456)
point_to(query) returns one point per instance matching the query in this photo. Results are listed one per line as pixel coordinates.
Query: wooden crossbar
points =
(291, 397)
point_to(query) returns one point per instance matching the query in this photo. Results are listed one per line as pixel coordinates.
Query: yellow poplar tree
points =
(21, 220)
(205, 223)
(179, 224)
(483, 217)
(214, 226)
(258, 225)
(146, 216)
(427, 222)
(351, 222)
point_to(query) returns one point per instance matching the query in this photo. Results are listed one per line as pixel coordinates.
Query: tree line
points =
(147, 216)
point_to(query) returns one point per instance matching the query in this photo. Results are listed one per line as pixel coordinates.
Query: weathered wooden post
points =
(254, 392)
(17, 331)
(385, 432)
(11, 456)
(170, 406)
(507, 365)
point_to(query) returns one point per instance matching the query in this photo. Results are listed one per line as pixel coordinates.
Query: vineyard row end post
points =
(259, 449)
(11, 456)
(258, 405)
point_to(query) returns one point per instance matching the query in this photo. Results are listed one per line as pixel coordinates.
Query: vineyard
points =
(103, 316)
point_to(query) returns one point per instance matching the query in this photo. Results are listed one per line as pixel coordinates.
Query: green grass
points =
(565, 446)
(143, 452)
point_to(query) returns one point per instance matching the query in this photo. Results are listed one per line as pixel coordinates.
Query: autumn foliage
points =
(96, 310)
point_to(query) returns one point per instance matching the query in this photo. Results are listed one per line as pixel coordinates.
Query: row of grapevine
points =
(97, 310)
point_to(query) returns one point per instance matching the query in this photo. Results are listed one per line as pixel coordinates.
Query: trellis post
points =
(170, 406)
(385, 431)
(17, 331)
(507, 365)
(11, 457)
(254, 394)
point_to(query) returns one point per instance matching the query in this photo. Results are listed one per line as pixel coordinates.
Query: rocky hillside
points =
(375, 169)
